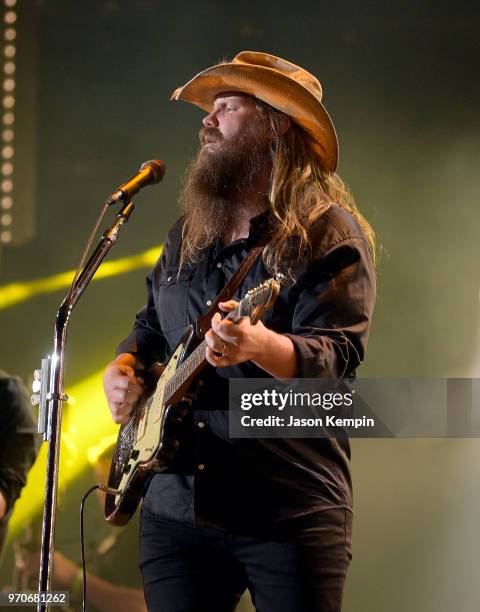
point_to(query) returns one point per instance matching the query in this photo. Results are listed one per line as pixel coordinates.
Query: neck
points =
(249, 204)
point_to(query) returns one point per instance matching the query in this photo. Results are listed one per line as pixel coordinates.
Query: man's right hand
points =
(122, 387)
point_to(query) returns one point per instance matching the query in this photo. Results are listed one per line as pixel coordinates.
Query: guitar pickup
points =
(127, 468)
(134, 454)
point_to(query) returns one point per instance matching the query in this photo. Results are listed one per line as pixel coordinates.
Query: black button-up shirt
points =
(251, 485)
(19, 442)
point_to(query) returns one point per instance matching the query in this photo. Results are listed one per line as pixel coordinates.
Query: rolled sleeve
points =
(333, 311)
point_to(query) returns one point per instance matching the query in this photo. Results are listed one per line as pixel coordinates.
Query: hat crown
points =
(278, 82)
(266, 60)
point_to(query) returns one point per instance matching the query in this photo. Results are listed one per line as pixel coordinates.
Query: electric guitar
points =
(148, 442)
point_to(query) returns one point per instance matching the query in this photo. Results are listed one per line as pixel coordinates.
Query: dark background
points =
(401, 84)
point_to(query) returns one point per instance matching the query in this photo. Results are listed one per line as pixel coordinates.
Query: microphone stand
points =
(49, 384)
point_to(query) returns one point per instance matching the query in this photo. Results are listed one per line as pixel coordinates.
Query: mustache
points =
(208, 134)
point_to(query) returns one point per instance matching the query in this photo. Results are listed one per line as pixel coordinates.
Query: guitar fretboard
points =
(187, 370)
(196, 360)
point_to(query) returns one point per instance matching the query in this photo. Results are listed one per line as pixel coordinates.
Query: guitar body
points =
(147, 442)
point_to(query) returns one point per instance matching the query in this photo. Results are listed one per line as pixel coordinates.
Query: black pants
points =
(192, 569)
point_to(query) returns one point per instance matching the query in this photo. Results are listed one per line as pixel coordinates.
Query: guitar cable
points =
(106, 489)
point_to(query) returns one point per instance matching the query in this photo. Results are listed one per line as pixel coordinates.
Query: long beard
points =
(214, 182)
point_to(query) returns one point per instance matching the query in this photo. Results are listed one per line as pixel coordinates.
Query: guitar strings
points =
(185, 368)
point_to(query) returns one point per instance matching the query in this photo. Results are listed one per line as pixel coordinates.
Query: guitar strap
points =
(203, 322)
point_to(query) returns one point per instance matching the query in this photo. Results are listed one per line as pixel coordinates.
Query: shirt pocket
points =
(172, 297)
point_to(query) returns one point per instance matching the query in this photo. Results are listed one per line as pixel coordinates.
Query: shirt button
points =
(209, 302)
(219, 264)
(201, 424)
(169, 279)
(201, 466)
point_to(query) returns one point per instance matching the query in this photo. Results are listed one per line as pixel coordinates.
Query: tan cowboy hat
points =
(281, 84)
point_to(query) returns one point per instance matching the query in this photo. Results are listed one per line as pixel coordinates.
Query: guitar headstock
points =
(259, 299)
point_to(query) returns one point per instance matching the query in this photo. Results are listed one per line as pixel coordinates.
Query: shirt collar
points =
(258, 226)
(257, 232)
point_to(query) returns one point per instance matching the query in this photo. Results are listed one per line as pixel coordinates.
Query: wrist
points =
(266, 346)
(278, 356)
(263, 346)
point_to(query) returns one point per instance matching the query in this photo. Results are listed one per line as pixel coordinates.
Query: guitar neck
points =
(253, 304)
(177, 385)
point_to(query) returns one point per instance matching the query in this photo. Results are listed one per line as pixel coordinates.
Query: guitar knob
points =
(36, 384)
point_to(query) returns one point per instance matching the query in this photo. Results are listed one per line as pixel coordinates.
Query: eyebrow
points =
(238, 95)
(222, 104)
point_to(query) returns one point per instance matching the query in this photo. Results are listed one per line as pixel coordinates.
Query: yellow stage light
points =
(86, 428)
(14, 293)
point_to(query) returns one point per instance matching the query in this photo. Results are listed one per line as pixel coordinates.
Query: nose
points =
(210, 120)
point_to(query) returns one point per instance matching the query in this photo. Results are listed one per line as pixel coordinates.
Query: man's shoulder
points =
(336, 225)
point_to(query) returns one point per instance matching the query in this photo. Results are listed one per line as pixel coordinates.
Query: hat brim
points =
(276, 89)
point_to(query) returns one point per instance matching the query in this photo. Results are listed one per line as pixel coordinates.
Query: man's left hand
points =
(230, 343)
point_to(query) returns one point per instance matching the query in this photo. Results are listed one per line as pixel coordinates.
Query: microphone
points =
(150, 172)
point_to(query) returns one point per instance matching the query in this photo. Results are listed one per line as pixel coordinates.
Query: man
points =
(18, 445)
(273, 515)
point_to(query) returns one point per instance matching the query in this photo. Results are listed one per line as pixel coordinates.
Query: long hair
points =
(301, 191)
